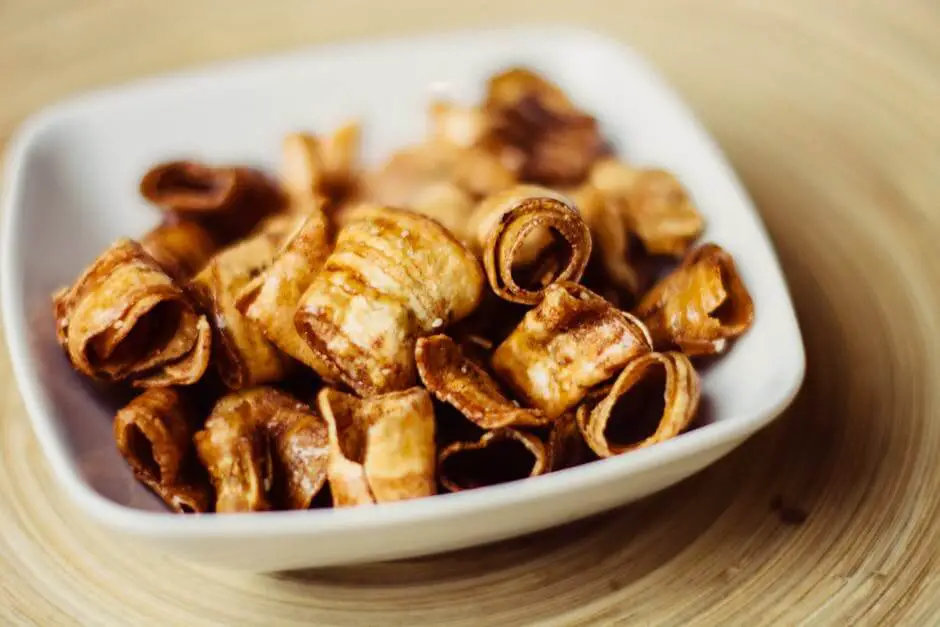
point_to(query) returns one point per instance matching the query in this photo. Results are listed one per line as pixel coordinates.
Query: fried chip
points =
(382, 449)
(700, 305)
(499, 456)
(532, 231)
(271, 298)
(657, 207)
(448, 204)
(610, 236)
(264, 449)
(532, 119)
(125, 318)
(462, 126)
(243, 355)
(154, 434)
(393, 276)
(320, 166)
(572, 341)
(566, 445)
(190, 187)
(452, 378)
(655, 398)
(181, 247)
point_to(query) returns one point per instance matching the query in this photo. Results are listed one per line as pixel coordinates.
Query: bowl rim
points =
(732, 429)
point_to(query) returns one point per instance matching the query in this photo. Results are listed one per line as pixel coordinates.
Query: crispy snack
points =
(409, 171)
(271, 298)
(394, 276)
(534, 124)
(381, 449)
(655, 398)
(566, 445)
(700, 305)
(459, 125)
(263, 448)
(447, 203)
(181, 247)
(154, 434)
(499, 456)
(190, 187)
(610, 236)
(453, 378)
(125, 318)
(533, 232)
(243, 355)
(572, 341)
(320, 166)
(657, 207)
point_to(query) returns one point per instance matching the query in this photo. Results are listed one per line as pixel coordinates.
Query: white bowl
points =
(71, 189)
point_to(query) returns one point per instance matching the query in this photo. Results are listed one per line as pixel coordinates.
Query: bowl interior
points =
(73, 176)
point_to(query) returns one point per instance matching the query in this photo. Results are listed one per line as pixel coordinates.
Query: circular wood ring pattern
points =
(829, 111)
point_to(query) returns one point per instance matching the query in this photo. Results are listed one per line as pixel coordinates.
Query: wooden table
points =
(831, 113)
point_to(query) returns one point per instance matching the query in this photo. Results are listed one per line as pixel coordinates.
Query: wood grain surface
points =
(831, 113)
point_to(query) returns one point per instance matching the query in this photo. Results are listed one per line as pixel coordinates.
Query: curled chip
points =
(181, 247)
(264, 449)
(125, 318)
(530, 238)
(382, 449)
(409, 171)
(243, 355)
(462, 126)
(655, 398)
(610, 236)
(700, 305)
(154, 434)
(499, 456)
(325, 167)
(572, 341)
(393, 276)
(566, 445)
(657, 207)
(448, 204)
(189, 187)
(534, 123)
(453, 378)
(271, 298)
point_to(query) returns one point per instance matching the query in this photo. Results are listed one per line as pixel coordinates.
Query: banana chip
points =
(566, 445)
(572, 341)
(393, 277)
(243, 355)
(532, 232)
(499, 456)
(655, 398)
(381, 449)
(154, 434)
(452, 378)
(125, 318)
(699, 306)
(326, 167)
(181, 247)
(610, 236)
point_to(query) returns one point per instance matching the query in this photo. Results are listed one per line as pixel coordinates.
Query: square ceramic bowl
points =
(71, 189)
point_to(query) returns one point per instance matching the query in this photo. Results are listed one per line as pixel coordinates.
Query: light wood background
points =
(831, 113)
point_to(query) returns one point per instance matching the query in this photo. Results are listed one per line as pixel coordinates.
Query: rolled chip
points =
(655, 398)
(610, 236)
(532, 232)
(499, 456)
(190, 187)
(566, 445)
(320, 166)
(181, 247)
(453, 378)
(125, 318)
(243, 355)
(699, 306)
(271, 298)
(154, 434)
(657, 207)
(382, 449)
(572, 341)
(393, 276)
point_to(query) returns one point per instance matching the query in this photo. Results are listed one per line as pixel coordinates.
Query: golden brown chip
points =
(533, 120)
(125, 318)
(326, 167)
(454, 379)
(243, 355)
(154, 434)
(532, 232)
(181, 247)
(700, 305)
(448, 204)
(271, 298)
(409, 171)
(189, 187)
(655, 398)
(263, 449)
(657, 208)
(393, 276)
(499, 456)
(462, 126)
(610, 235)
(572, 341)
(381, 449)
(566, 445)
